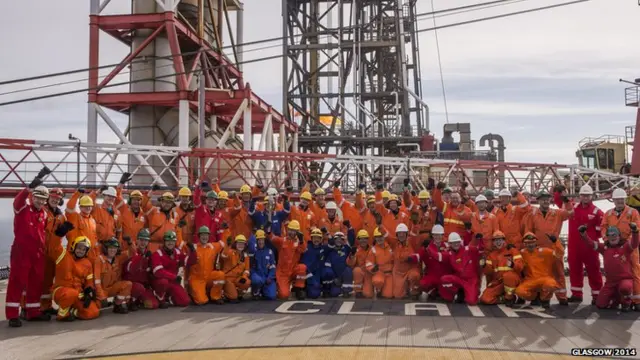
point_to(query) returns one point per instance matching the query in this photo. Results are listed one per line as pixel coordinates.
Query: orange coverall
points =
(131, 221)
(55, 218)
(510, 220)
(485, 224)
(627, 216)
(161, 222)
(361, 277)
(109, 279)
(349, 210)
(235, 265)
(390, 221)
(382, 279)
(368, 223)
(538, 274)
(203, 276)
(405, 273)
(83, 225)
(454, 219)
(504, 279)
(288, 268)
(306, 219)
(107, 225)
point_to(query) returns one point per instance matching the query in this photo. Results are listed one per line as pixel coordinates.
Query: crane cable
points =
(444, 92)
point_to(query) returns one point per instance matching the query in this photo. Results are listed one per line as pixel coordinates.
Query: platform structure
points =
(177, 62)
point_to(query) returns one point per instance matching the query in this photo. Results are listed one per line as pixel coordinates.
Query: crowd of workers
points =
(207, 245)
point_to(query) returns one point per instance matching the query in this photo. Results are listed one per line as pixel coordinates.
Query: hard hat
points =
(41, 192)
(504, 192)
(241, 239)
(144, 234)
(223, 195)
(454, 237)
(613, 230)
(386, 194)
(271, 192)
(437, 230)
(338, 234)
(266, 199)
(212, 195)
(424, 195)
(294, 225)
(542, 193)
(363, 234)
(170, 236)
(619, 194)
(498, 235)
(113, 242)
(185, 191)
(376, 232)
(481, 198)
(447, 190)
(260, 234)
(245, 189)
(316, 232)
(110, 192)
(529, 237)
(402, 228)
(489, 194)
(86, 201)
(331, 206)
(168, 196)
(136, 194)
(306, 195)
(393, 197)
(586, 190)
(319, 191)
(56, 193)
(204, 230)
(80, 240)
(370, 199)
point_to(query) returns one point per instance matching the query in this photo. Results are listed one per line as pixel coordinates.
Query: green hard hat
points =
(212, 195)
(489, 194)
(204, 230)
(613, 230)
(447, 190)
(542, 193)
(170, 236)
(113, 242)
(144, 234)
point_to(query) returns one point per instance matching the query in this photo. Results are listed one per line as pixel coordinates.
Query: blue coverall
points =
(313, 258)
(337, 276)
(263, 267)
(261, 221)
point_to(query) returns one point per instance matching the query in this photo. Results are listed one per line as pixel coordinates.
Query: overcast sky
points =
(542, 80)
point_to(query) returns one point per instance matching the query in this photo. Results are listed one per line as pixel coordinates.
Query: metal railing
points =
(632, 96)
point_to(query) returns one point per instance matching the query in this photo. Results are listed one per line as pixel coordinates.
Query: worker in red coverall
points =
(27, 252)
(581, 256)
(289, 271)
(617, 265)
(435, 258)
(207, 214)
(165, 264)
(465, 261)
(137, 269)
(504, 266)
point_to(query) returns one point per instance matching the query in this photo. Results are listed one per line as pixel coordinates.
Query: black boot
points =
(51, 311)
(15, 323)
(536, 301)
(163, 305)
(460, 297)
(563, 302)
(625, 307)
(575, 299)
(508, 303)
(41, 317)
(636, 307)
(219, 302)
(299, 292)
(521, 301)
(133, 306)
(69, 318)
(120, 309)
(545, 304)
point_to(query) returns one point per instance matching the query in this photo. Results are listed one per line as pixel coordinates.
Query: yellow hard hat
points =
(294, 225)
(245, 189)
(424, 195)
(316, 232)
(363, 234)
(370, 199)
(319, 191)
(241, 238)
(136, 194)
(393, 197)
(386, 194)
(80, 240)
(223, 195)
(168, 196)
(260, 234)
(376, 232)
(86, 201)
(185, 191)
(306, 195)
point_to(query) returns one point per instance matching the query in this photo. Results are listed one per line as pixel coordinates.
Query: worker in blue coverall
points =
(263, 267)
(313, 259)
(261, 217)
(337, 276)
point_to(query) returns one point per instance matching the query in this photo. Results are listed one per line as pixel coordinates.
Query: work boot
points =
(299, 292)
(219, 302)
(415, 297)
(163, 305)
(625, 307)
(545, 304)
(69, 318)
(521, 301)
(326, 295)
(575, 299)
(536, 301)
(563, 302)
(234, 301)
(460, 297)
(636, 307)
(23, 314)
(50, 311)
(41, 317)
(120, 309)
(16, 323)
(508, 303)
(359, 295)
(133, 306)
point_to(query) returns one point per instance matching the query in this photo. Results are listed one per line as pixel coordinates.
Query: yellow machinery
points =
(605, 153)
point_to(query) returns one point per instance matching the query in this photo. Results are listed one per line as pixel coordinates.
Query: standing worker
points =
(55, 218)
(289, 271)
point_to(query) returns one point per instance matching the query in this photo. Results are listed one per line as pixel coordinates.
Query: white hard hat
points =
(41, 192)
(480, 198)
(338, 234)
(504, 192)
(437, 229)
(110, 192)
(619, 194)
(402, 228)
(454, 237)
(272, 192)
(586, 190)
(331, 206)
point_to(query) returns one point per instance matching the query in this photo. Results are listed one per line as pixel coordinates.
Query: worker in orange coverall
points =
(423, 216)
(137, 269)
(406, 273)
(484, 222)
(106, 215)
(73, 289)
(539, 275)
(545, 223)
(235, 266)
(380, 265)
(510, 216)
(289, 271)
(83, 222)
(187, 216)
(392, 216)
(55, 218)
(241, 221)
(108, 272)
(165, 264)
(357, 260)
(504, 265)
(622, 216)
(349, 211)
(203, 276)
(132, 216)
(368, 214)
(455, 213)
(332, 224)
(303, 215)
(463, 283)
(162, 219)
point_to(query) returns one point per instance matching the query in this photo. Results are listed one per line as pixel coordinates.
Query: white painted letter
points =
(347, 306)
(411, 308)
(285, 306)
(475, 311)
(512, 312)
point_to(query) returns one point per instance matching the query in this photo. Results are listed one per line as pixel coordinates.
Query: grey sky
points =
(542, 80)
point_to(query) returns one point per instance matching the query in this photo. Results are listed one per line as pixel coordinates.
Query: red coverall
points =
(436, 263)
(165, 267)
(466, 274)
(137, 269)
(204, 217)
(27, 258)
(618, 267)
(580, 255)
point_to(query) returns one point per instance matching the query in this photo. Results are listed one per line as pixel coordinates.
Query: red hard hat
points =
(56, 193)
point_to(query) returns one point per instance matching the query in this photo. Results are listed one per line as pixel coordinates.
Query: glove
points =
(268, 281)
(347, 223)
(155, 187)
(337, 282)
(354, 250)
(242, 281)
(89, 295)
(478, 236)
(81, 190)
(565, 199)
(406, 182)
(441, 185)
(191, 247)
(103, 188)
(300, 237)
(289, 188)
(229, 240)
(634, 227)
(374, 268)
(336, 183)
(559, 188)
(104, 304)
(224, 225)
(259, 186)
(583, 228)
(182, 223)
(467, 225)
(379, 186)
(431, 183)
(147, 254)
(553, 238)
(362, 186)
(178, 280)
(426, 243)
(35, 183)
(324, 230)
(204, 185)
(43, 172)
(414, 193)
(510, 246)
(125, 178)
(127, 239)
(63, 229)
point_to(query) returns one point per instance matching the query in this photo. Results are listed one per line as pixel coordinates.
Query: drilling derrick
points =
(351, 80)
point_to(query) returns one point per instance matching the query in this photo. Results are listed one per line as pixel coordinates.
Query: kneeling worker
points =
(538, 271)
(165, 263)
(108, 272)
(263, 268)
(202, 275)
(235, 265)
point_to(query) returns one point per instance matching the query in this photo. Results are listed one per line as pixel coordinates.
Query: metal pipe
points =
(240, 36)
(201, 109)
